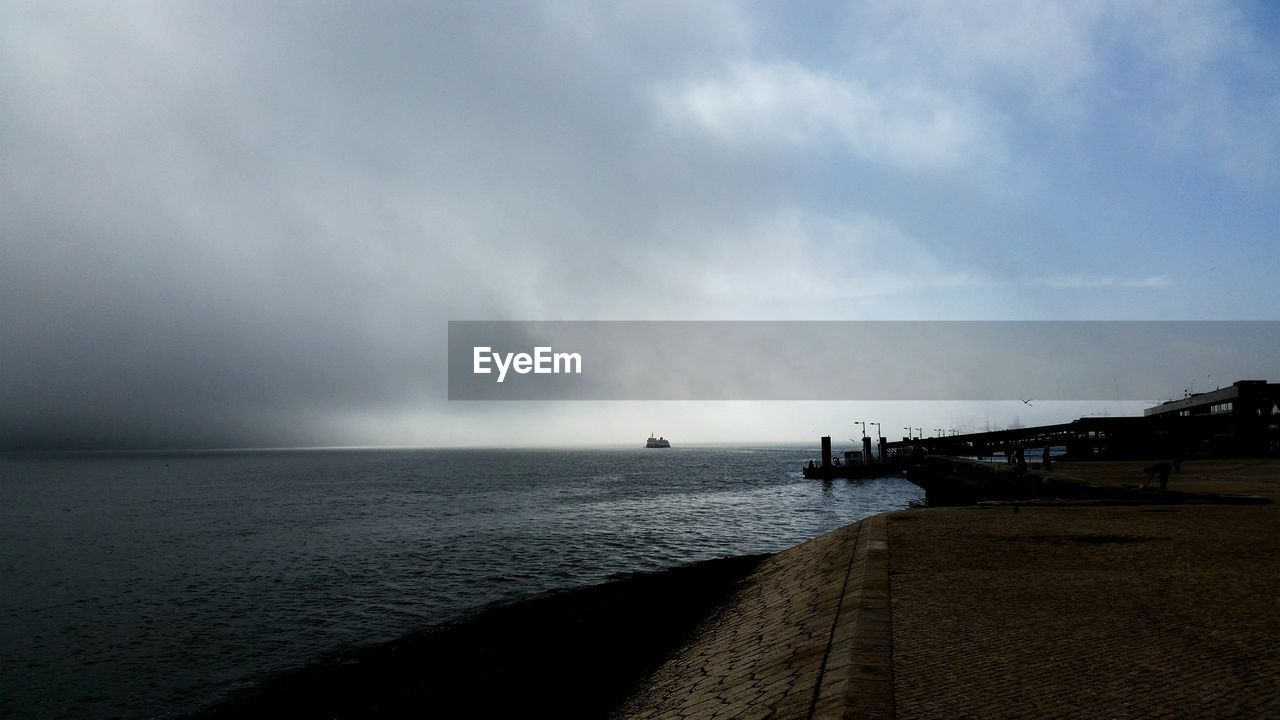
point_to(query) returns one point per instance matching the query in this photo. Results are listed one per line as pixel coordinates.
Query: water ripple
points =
(150, 585)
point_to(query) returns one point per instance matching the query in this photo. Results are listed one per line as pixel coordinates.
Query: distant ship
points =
(657, 442)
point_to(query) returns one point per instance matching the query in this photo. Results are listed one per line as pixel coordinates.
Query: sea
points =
(150, 585)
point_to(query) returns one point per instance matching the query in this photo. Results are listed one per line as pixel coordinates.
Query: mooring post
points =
(826, 456)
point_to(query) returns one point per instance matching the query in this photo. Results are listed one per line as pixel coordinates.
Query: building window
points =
(1220, 408)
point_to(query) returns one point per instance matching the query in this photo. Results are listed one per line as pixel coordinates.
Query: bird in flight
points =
(1027, 402)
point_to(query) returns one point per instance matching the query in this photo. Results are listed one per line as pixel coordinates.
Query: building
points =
(1242, 420)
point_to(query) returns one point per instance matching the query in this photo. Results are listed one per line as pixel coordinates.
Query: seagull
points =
(1027, 402)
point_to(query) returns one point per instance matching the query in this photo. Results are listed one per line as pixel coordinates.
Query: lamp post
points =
(864, 442)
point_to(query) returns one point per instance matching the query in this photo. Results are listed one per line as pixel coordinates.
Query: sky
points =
(247, 224)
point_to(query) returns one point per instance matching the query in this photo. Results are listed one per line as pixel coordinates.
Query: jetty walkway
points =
(1038, 611)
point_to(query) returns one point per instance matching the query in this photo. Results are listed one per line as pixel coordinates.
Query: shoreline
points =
(576, 653)
(1061, 607)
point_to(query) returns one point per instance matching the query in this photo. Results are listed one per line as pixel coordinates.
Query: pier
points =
(1241, 420)
(856, 464)
(949, 481)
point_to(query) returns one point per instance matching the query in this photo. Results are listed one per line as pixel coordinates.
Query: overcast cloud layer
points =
(246, 224)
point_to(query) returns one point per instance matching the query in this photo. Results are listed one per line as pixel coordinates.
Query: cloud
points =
(243, 224)
(239, 226)
(1074, 282)
(797, 261)
(1189, 76)
(784, 103)
(1043, 53)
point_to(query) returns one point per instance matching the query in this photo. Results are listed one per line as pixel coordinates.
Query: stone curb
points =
(856, 681)
(808, 635)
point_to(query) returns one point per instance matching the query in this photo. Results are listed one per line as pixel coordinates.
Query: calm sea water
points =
(150, 585)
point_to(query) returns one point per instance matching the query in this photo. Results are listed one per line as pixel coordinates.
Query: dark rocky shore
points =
(572, 654)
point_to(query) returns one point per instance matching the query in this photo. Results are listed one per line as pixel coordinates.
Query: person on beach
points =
(1163, 469)
(1020, 468)
(1046, 460)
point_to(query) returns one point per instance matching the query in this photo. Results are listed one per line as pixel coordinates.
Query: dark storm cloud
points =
(225, 224)
(248, 224)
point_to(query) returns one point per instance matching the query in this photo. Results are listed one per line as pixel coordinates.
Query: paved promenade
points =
(808, 636)
(1047, 612)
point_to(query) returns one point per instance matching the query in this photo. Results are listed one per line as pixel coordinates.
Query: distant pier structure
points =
(857, 464)
(1242, 420)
